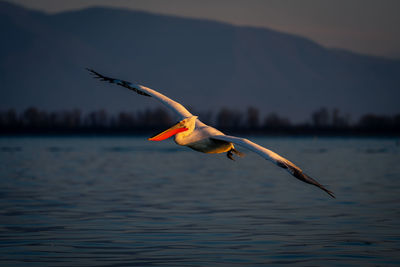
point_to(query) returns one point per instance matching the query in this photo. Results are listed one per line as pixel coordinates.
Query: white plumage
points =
(193, 133)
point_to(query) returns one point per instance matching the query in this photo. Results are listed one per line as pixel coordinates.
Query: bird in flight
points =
(193, 133)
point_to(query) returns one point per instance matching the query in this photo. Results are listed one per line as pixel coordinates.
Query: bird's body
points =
(193, 133)
(200, 140)
(208, 145)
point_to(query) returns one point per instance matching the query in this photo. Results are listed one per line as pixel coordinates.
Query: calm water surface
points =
(127, 201)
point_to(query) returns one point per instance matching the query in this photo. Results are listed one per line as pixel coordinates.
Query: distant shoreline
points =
(323, 122)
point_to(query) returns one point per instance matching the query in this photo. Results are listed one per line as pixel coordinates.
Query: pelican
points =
(193, 133)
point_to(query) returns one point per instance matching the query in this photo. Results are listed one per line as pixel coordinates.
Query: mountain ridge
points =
(203, 64)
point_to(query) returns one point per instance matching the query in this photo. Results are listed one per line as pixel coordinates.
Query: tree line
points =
(322, 121)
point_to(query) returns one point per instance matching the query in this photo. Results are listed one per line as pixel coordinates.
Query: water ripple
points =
(126, 202)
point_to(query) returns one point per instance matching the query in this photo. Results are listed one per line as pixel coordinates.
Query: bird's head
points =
(182, 128)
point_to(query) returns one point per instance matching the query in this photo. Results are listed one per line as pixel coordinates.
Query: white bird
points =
(193, 133)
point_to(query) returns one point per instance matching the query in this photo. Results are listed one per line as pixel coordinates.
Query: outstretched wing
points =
(177, 108)
(275, 158)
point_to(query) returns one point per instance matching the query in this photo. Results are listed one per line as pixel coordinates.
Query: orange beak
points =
(177, 128)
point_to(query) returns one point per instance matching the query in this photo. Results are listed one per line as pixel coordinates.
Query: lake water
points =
(126, 201)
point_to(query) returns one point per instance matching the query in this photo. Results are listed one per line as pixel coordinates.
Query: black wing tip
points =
(92, 71)
(98, 75)
(321, 187)
(305, 178)
(118, 82)
(328, 192)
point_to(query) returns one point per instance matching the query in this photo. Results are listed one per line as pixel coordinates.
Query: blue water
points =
(127, 201)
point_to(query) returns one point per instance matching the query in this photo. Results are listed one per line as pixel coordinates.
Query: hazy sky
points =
(366, 26)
